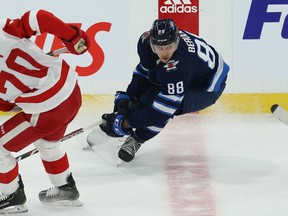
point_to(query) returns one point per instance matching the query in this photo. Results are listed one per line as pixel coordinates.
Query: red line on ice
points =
(188, 173)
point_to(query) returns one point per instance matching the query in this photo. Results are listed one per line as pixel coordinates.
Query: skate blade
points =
(65, 203)
(88, 148)
(119, 162)
(14, 209)
(97, 137)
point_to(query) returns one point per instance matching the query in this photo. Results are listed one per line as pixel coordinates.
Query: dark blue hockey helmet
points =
(163, 32)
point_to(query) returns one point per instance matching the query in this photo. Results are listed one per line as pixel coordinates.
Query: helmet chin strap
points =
(153, 48)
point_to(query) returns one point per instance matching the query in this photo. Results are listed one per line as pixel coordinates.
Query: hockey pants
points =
(44, 130)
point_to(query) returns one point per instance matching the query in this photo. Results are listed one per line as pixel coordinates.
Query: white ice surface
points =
(199, 165)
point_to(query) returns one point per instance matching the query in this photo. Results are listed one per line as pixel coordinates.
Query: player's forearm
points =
(51, 24)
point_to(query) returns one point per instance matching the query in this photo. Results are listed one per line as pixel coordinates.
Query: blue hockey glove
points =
(113, 125)
(121, 103)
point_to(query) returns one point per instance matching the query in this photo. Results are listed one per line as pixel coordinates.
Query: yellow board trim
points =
(248, 103)
(238, 103)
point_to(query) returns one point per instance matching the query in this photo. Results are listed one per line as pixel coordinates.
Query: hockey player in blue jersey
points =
(178, 73)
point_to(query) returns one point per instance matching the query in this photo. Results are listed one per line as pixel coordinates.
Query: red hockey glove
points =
(79, 44)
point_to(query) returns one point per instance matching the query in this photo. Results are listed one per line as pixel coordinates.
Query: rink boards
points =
(238, 103)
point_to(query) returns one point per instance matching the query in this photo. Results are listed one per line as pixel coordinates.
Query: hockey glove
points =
(121, 103)
(113, 125)
(79, 44)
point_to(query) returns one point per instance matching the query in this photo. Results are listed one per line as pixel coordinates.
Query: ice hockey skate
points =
(15, 202)
(65, 195)
(129, 148)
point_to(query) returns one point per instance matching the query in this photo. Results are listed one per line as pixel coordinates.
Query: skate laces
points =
(131, 146)
(52, 192)
(122, 140)
(3, 196)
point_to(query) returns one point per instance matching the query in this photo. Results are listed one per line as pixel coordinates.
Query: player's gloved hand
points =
(121, 103)
(113, 125)
(79, 44)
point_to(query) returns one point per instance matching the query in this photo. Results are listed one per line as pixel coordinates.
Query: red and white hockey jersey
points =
(34, 81)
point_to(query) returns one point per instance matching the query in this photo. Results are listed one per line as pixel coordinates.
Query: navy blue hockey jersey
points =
(162, 86)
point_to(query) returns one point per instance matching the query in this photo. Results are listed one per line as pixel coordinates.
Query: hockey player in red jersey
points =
(45, 91)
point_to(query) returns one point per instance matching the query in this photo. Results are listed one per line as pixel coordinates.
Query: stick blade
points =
(274, 107)
(280, 113)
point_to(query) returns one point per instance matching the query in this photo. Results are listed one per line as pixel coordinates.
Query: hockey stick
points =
(67, 136)
(58, 51)
(280, 113)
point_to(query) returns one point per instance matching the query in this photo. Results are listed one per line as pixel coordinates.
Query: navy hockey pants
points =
(198, 100)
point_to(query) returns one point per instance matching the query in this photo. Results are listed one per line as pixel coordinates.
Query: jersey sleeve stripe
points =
(142, 67)
(163, 108)
(38, 98)
(154, 129)
(14, 132)
(140, 70)
(219, 76)
(138, 73)
(33, 22)
(172, 98)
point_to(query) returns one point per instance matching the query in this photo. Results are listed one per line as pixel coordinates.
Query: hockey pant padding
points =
(24, 129)
(198, 100)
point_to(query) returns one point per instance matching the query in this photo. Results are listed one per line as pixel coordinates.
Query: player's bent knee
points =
(49, 150)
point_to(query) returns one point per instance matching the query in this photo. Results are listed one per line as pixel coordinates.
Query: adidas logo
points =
(178, 6)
